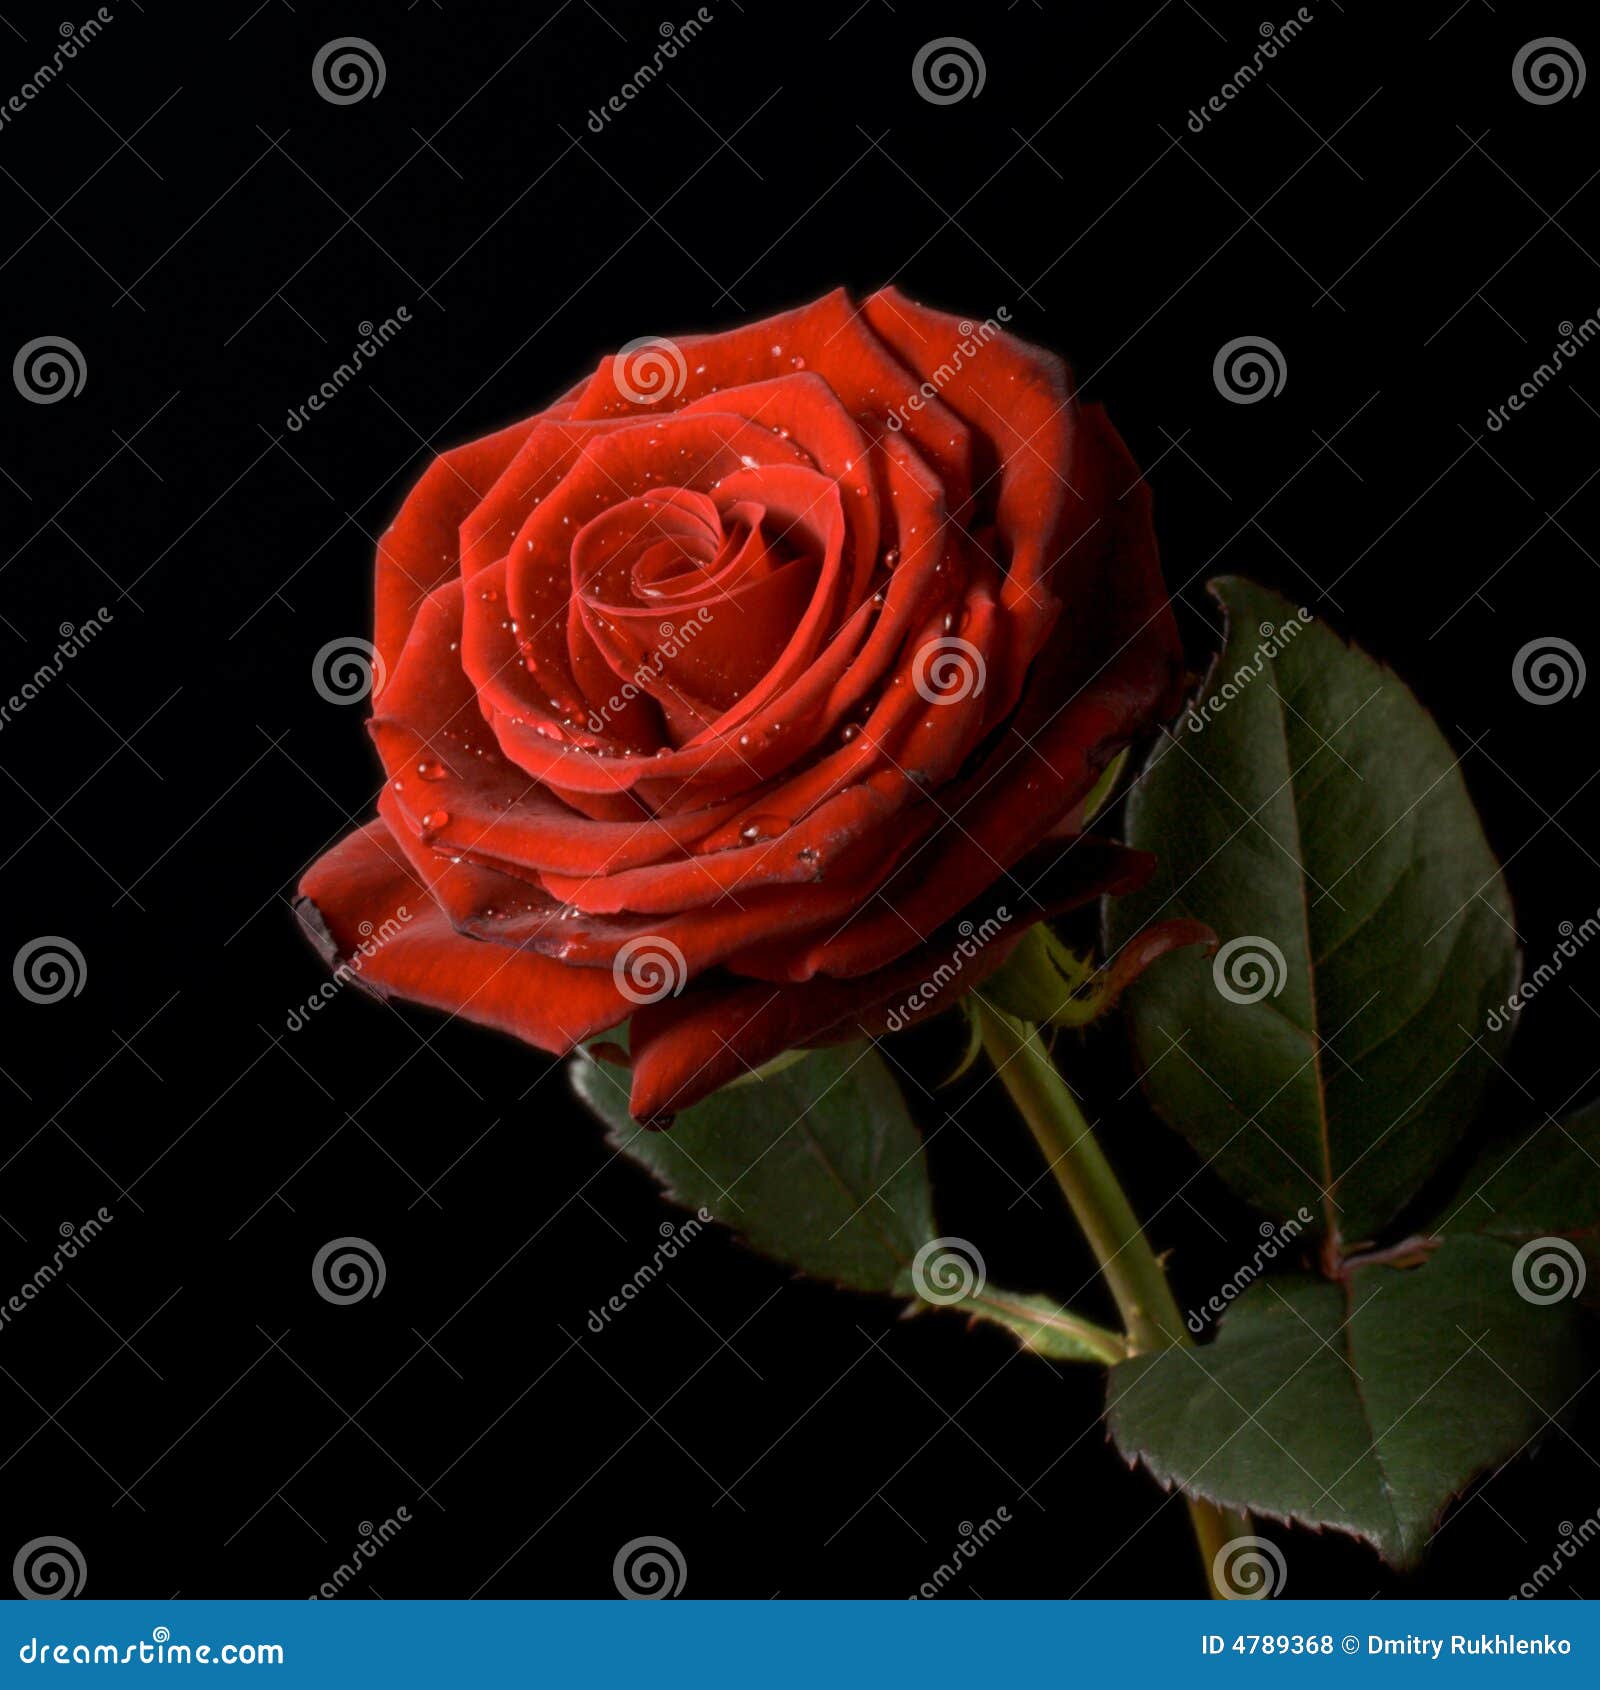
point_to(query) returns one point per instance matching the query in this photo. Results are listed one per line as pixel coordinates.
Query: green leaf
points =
(1544, 1184)
(1308, 809)
(1040, 1324)
(1364, 1406)
(818, 1163)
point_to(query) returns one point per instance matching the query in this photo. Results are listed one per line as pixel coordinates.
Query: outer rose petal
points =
(1018, 398)
(421, 548)
(685, 1048)
(365, 879)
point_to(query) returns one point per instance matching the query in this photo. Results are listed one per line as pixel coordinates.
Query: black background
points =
(209, 231)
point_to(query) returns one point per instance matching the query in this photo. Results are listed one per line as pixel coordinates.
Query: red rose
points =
(751, 690)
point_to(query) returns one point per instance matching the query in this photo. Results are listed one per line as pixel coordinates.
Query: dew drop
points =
(764, 827)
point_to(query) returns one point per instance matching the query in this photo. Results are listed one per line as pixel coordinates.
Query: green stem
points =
(1131, 1269)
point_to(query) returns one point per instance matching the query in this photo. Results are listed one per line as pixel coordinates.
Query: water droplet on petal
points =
(764, 827)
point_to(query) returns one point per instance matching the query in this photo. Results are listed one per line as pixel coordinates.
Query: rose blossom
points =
(721, 692)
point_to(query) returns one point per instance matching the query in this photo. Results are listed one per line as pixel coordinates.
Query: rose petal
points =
(364, 884)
